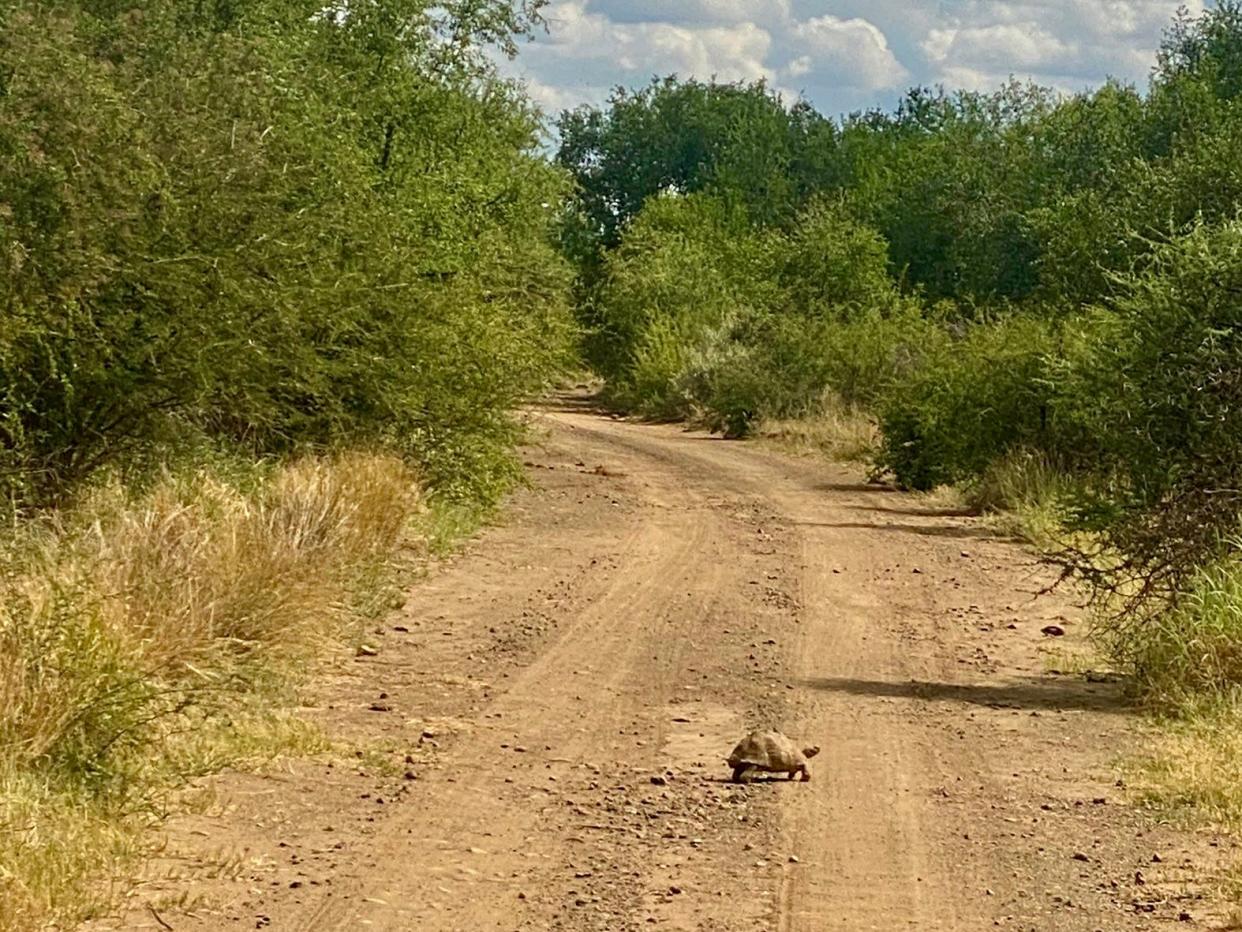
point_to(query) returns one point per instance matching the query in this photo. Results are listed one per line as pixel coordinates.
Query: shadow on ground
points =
(1035, 693)
(878, 488)
(959, 531)
(576, 402)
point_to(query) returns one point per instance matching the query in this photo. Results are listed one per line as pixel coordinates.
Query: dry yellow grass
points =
(834, 431)
(124, 620)
(1192, 768)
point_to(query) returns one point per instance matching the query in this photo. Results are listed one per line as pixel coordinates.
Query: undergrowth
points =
(1025, 494)
(835, 431)
(1189, 769)
(145, 639)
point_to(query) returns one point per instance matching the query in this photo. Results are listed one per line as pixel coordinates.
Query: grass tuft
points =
(1190, 770)
(1026, 494)
(141, 639)
(1194, 649)
(836, 431)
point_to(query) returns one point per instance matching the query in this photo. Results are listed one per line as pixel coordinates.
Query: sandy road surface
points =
(552, 708)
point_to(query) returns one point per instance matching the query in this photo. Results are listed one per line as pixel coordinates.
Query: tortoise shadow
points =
(768, 778)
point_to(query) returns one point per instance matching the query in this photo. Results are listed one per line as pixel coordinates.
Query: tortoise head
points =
(811, 751)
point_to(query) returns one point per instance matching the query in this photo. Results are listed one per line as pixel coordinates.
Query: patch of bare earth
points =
(553, 707)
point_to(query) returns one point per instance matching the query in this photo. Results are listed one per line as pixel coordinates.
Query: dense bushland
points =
(272, 224)
(239, 242)
(1034, 296)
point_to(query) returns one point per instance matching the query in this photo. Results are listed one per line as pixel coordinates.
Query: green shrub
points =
(282, 230)
(832, 265)
(970, 403)
(673, 291)
(783, 365)
(1160, 393)
(701, 316)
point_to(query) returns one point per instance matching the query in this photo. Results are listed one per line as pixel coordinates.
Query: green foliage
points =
(783, 366)
(1164, 379)
(1206, 49)
(273, 226)
(830, 264)
(1193, 649)
(667, 266)
(700, 315)
(734, 140)
(985, 394)
(1027, 493)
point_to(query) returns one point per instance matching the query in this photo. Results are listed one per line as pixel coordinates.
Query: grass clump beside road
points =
(137, 634)
(834, 431)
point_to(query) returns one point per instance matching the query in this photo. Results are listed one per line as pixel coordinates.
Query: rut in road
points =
(595, 660)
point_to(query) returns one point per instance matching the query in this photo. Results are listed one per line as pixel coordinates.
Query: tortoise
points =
(770, 752)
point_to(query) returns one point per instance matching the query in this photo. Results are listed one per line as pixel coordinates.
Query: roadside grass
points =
(1024, 495)
(443, 524)
(1188, 670)
(1192, 769)
(1189, 773)
(147, 638)
(1194, 649)
(835, 431)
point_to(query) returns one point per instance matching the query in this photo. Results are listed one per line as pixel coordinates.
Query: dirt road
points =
(552, 708)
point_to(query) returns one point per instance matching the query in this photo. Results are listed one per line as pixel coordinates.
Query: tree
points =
(274, 224)
(736, 141)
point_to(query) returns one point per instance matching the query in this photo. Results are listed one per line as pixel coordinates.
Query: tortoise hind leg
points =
(738, 771)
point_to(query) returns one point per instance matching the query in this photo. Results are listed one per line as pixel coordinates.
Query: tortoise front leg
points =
(738, 771)
(806, 773)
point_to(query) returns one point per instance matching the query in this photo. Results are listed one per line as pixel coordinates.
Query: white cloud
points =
(587, 52)
(767, 12)
(843, 54)
(1015, 46)
(854, 52)
(554, 98)
(799, 66)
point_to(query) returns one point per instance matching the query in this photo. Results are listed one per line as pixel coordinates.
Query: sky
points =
(842, 55)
